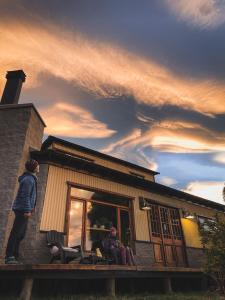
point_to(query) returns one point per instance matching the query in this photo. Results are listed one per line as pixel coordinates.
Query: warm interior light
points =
(77, 205)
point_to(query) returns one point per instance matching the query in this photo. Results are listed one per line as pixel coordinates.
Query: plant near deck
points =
(213, 240)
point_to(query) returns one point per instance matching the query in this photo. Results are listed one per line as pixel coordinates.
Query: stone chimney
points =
(21, 129)
(13, 87)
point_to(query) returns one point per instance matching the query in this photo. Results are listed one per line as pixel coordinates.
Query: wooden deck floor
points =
(95, 271)
(109, 273)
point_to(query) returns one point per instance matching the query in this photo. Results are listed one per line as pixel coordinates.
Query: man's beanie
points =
(31, 165)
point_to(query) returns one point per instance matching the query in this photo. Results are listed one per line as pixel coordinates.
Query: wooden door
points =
(166, 236)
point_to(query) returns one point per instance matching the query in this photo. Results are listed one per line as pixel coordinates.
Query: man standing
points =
(23, 207)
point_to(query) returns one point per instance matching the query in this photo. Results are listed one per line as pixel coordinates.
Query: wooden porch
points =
(110, 273)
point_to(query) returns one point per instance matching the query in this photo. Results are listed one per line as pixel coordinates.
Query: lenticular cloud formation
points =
(69, 120)
(206, 14)
(103, 69)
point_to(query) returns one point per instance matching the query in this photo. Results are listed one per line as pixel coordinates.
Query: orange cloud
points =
(73, 121)
(173, 136)
(127, 147)
(184, 137)
(212, 190)
(201, 13)
(103, 69)
(169, 181)
(220, 157)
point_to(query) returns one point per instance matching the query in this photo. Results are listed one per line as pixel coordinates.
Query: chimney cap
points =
(17, 74)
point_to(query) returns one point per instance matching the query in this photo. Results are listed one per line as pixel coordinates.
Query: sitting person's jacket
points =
(109, 242)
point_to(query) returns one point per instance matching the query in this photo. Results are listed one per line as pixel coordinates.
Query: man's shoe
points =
(11, 261)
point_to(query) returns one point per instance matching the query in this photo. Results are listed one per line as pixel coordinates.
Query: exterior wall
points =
(20, 129)
(191, 233)
(144, 254)
(54, 210)
(104, 162)
(194, 257)
(56, 195)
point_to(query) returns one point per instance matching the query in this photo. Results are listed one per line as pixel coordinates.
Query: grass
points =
(174, 296)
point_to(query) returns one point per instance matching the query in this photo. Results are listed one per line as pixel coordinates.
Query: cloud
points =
(219, 157)
(127, 149)
(124, 142)
(200, 13)
(102, 69)
(183, 137)
(167, 180)
(211, 190)
(73, 121)
(172, 136)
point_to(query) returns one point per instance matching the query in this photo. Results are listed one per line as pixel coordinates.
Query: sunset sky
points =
(142, 80)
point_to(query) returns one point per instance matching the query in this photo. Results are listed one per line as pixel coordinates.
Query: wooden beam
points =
(66, 267)
(167, 286)
(204, 283)
(26, 289)
(111, 287)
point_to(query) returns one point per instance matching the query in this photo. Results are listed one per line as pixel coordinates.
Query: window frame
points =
(118, 207)
(205, 218)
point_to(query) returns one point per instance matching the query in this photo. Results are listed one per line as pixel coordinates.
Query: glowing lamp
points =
(144, 204)
(188, 215)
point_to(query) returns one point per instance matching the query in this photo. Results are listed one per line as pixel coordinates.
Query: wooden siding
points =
(191, 233)
(54, 210)
(104, 162)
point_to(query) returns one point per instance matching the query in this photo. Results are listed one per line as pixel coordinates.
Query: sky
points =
(141, 80)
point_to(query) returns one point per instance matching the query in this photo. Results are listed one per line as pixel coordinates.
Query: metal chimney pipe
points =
(13, 87)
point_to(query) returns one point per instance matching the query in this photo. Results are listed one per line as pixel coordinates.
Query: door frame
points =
(161, 241)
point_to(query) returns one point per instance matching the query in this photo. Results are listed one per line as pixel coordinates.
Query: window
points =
(99, 219)
(155, 221)
(203, 222)
(88, 194)
(166, 235)
(75, 229)
(93, 213)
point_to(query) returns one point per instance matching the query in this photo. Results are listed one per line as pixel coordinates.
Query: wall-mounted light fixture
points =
(188, 215)
(144, 204)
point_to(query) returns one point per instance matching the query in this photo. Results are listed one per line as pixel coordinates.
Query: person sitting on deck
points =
(116, 250)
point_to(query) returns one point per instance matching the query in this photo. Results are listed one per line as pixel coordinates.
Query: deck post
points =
(26, 291)
(167, 285)
(111, 287)
(204, 283)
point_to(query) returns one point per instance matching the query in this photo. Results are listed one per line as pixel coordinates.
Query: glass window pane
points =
(81, 193)
(94, 238)
(155, 221)
(125, 227)
(175, 222)
(99, 195)
(164, 213)
(75, 225)
(99, 219)
(204, 223)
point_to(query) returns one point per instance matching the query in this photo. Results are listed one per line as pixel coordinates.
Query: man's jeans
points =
(17, 234)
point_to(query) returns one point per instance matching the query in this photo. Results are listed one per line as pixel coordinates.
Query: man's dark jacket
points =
(27, 193)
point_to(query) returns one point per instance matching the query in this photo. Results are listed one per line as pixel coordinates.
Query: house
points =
(82, 192)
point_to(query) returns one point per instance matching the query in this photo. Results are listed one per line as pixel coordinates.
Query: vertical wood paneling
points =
(53, 216)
